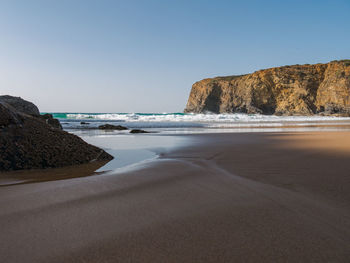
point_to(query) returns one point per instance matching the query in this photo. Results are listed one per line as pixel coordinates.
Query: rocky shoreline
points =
(29, 140)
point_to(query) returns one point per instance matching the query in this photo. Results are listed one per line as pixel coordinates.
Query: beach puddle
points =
(130, 150)
(124, 158)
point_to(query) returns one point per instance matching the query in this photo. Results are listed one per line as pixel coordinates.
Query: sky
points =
(144, 56)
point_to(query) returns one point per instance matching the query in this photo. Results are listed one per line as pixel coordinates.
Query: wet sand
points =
(257, 197)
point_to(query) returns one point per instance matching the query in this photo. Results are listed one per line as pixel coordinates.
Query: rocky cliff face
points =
(28, 140)
(288, 90)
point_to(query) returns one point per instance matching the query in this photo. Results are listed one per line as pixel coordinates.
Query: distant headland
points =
(289, 90)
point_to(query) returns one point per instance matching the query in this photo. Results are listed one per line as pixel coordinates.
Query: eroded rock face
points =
(28, 142)
(288, 90)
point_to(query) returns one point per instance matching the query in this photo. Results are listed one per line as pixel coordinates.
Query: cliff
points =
(28, 140)
(289, 90)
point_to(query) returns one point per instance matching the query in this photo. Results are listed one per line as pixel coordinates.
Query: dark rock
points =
(138, 131)
(8, 117)
(54, 123)
(28, 142)
(112, 127)
(84, 123)
(20, 105)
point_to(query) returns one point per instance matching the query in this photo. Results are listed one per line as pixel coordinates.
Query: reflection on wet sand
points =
(34, 176)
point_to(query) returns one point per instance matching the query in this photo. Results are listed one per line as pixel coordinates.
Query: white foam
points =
(197, 117)
(193, 120)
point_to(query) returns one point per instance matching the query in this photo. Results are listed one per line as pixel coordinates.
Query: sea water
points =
(193, 123)
(132, 149)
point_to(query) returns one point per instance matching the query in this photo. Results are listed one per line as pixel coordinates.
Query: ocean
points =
(193, 123)
(132, 149)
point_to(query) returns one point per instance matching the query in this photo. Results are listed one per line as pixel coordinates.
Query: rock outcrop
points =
(138, 131)
(50, 120)
(29, 141)
(20, 105)
(289, 90)
(112, 127)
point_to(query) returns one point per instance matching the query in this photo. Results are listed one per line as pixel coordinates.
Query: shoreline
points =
(225, 197)
(129, 151)
(134, 157)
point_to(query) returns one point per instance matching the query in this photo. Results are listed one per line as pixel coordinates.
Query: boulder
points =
(8, 117)
(138, 131)
(20, 105)
(29, 142)
(112, 127)
(54, 123)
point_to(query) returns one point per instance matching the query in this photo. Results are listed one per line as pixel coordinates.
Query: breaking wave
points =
(191, 120)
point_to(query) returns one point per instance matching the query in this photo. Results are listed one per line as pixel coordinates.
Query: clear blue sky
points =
(143, 56)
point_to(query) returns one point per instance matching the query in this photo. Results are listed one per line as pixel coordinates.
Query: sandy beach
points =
(174, 131)
(244, 197)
